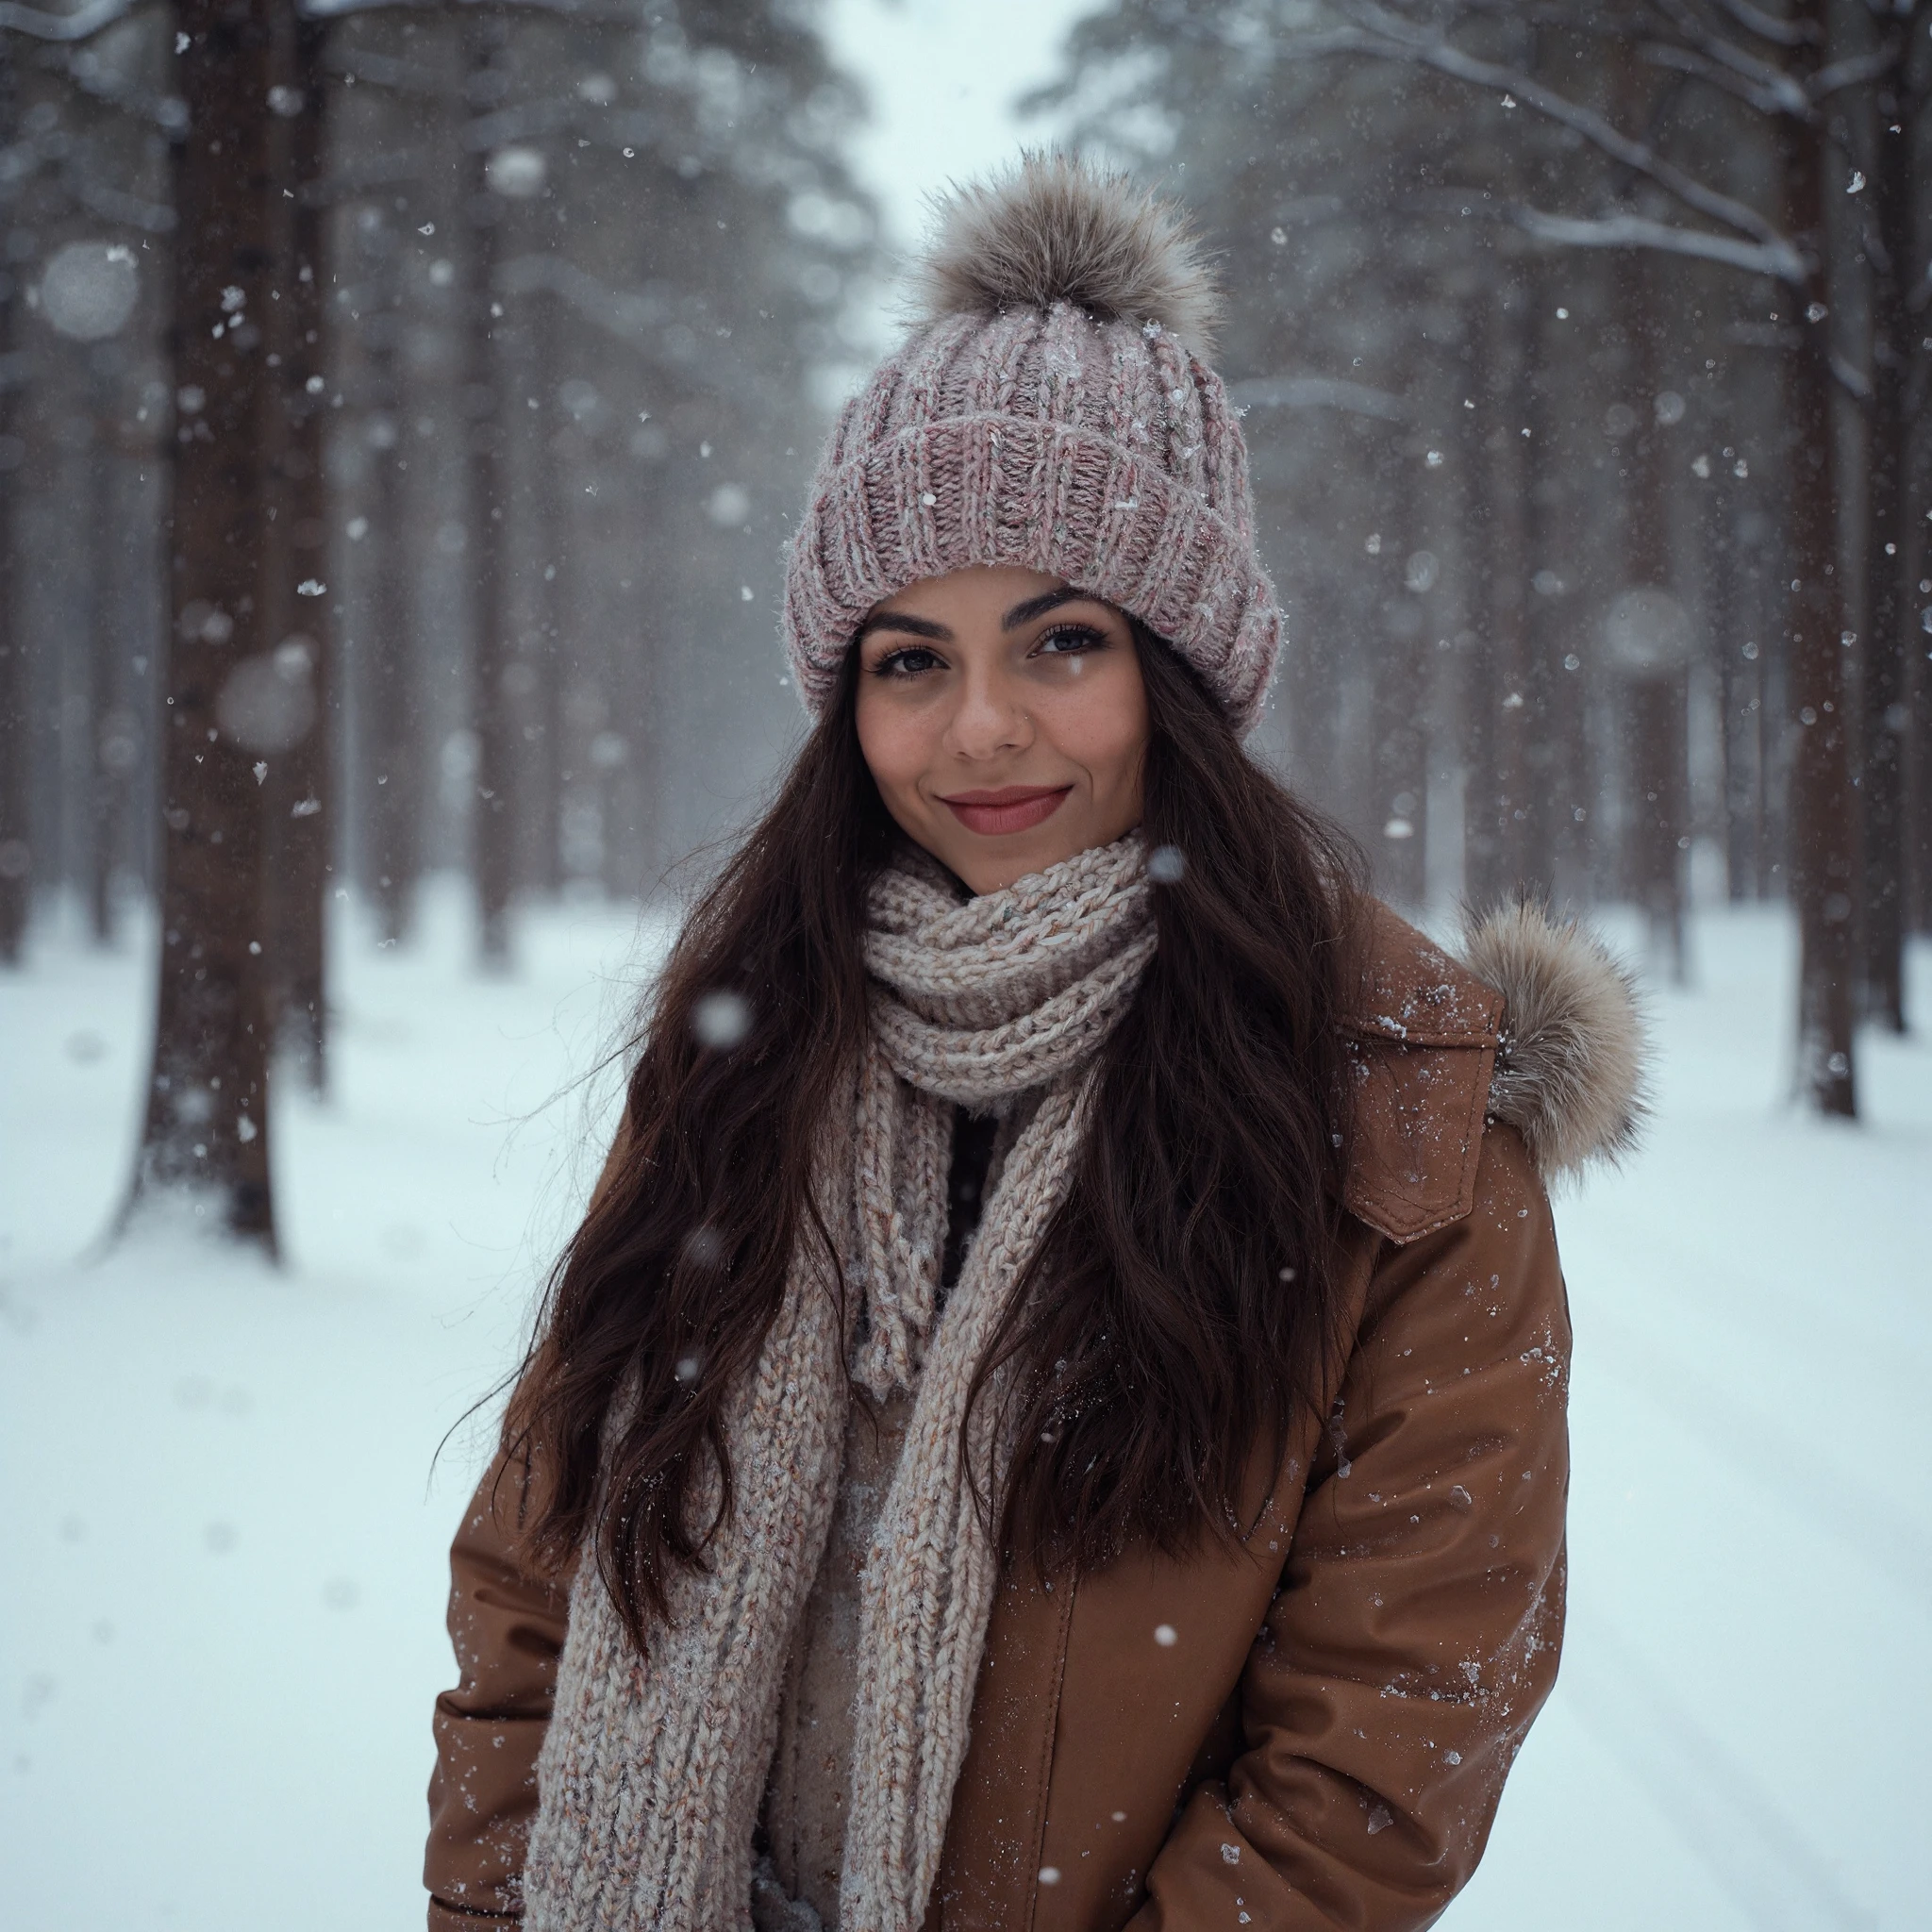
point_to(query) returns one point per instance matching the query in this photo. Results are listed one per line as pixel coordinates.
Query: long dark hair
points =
(1193, 1314)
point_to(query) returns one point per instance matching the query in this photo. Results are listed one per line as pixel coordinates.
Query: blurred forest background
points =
(403, 407)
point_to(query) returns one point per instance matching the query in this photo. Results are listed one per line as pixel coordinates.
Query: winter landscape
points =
(232, 1493)
(404, 408)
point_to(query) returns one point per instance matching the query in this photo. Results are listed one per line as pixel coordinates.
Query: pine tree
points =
(205, 1140)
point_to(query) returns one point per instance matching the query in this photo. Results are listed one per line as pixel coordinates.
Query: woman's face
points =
(1004, 720)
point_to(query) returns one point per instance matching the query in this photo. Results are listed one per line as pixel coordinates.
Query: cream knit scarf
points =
(652, 1774)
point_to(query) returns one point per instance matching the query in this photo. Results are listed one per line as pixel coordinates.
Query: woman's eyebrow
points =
(1038, 606)
(898, 620)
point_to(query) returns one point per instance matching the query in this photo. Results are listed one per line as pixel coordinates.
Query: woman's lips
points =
(1016, 809)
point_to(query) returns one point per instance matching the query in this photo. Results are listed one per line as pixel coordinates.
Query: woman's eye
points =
(908, 661)
(1069, 639)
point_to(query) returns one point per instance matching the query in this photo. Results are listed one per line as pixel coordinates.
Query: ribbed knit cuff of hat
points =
(1005, 490)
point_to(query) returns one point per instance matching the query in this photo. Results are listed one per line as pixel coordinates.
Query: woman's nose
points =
(989, 718)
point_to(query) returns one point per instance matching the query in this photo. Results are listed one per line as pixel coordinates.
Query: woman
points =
(1055, 1414)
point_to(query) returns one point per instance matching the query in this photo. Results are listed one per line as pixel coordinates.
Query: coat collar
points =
(1538, 1026)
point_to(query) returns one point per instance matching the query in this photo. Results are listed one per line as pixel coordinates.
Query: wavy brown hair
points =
(1181, 1312)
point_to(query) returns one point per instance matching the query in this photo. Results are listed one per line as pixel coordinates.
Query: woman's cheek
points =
(1102, 728)
(895, 746)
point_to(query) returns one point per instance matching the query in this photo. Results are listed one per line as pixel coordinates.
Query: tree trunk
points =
(1498, 713)
(299, 795)
(1540, 719)
(1823, 843)
(16, 850)
(205, 1142)
(1916, 839)
(1399, 715)
(1656, 695)
(1564, 512)
(1655, 708)
(1915, 741)
(552, 580)
(1825, 850)
(105, 616)
(387, 701)
(1887, 557)
(492, 819)
(1313, 697)
(1736, 648)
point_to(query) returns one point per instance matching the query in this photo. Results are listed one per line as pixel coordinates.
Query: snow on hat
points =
(1051, 409)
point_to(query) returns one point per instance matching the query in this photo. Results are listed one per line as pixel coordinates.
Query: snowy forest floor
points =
(225, 1519)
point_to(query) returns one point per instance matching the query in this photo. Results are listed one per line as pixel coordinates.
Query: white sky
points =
(941, 76)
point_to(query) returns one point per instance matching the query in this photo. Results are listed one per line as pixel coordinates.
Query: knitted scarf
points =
(652, 1772)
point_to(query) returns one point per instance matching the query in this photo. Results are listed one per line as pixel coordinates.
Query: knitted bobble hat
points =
(1050, 410)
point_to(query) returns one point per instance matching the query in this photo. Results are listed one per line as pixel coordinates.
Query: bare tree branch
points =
(643, 320)
(1767, 76)
(115, 205)
(39, 24)
(97, 79)
(1851, 379)
(1318, 392)
(69, 161)
(1763, 335)
(1853, 70)
(591, 12)
(521, 120)
(385, 69)
(1387, 36)
(390, 169)
(1685, 61)
(1871, 244)
(1778, 259)
(1767, 26)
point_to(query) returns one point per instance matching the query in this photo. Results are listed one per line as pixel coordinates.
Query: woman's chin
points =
(991, 862)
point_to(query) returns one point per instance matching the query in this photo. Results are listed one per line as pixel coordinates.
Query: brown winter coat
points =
(1308, 1728)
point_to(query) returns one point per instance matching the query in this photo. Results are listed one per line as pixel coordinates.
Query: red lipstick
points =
(1013, 808)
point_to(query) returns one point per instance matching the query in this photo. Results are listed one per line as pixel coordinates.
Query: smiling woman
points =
(1002, 716)
(1055, 1415)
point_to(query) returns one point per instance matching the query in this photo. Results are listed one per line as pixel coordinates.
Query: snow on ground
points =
(226, 1526)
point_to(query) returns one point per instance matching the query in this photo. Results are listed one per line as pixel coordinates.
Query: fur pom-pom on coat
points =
(1570, 1063)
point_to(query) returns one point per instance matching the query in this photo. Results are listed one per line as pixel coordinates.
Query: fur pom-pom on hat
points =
(1571, 1065)
(1057, 229)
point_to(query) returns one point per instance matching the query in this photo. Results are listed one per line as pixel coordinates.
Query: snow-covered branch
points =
(1855, 70)
(521, 121)
(1767, 82)
(1318, 392)
(1767, 26)
(1851, 379)
(1387, 36)
(1777, 260)
(364, 174)
(116, 205)
(99, 81)
(589, 12)
(385, 71)
(643, 321)
(42, 23)
(1787, 98)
